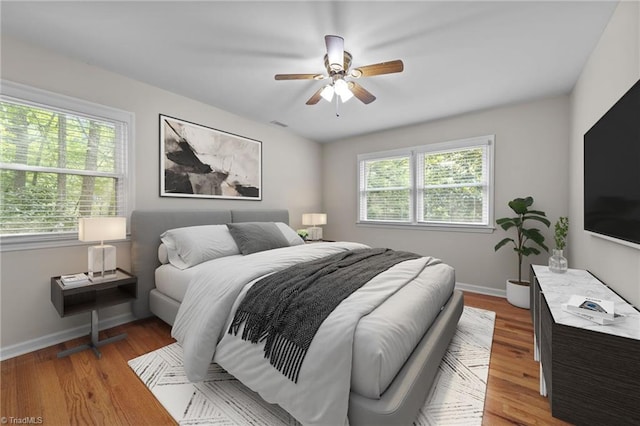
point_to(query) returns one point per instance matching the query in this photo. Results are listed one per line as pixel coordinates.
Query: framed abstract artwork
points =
(201, 162)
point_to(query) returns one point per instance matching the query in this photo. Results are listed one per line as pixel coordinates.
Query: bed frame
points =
(400, 402)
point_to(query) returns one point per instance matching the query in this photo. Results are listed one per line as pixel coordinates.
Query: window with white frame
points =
(447, 184)
(60, 159)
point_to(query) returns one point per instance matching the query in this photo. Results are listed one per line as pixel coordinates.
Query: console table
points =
(590, 372)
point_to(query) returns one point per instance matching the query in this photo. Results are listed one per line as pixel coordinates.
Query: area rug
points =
(456, 397)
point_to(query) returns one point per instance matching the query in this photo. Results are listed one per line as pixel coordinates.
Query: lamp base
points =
(102, 261)
(315, 233)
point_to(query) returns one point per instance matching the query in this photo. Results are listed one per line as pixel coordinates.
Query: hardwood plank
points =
(9, 397)
(75, 398)
(27, 384)
(53, 400)
(81, 389)
(100, 402)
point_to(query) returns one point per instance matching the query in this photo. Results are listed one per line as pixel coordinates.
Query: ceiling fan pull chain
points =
(337, 104)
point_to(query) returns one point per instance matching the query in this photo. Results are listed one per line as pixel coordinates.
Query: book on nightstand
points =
(74, 280)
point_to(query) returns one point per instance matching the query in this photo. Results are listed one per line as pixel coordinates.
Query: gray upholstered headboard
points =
(148, 225)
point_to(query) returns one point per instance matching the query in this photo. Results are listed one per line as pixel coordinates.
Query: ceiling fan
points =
(337, 62)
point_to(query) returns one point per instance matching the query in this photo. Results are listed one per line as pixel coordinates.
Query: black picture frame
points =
(197, 161)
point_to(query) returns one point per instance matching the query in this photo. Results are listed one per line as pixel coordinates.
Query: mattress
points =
(383, 340)
(173, 282)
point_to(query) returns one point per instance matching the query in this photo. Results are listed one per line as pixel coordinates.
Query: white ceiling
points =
(458, 56)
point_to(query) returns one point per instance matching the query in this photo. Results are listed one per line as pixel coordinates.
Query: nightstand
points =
(111, 290)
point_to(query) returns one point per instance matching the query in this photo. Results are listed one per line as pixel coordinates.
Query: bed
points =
(162, 290)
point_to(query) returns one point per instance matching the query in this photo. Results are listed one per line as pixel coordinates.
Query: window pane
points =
(52, 202)
(385, 187)
(457, 205)
(454, 167)
(38, 137)
(388, 205)
(388, 173)
(454, 185)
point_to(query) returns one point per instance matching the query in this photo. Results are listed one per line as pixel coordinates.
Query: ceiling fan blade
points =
(300, 77)
(335, 51)
(378, 69)
(361, 93)
(315, 98)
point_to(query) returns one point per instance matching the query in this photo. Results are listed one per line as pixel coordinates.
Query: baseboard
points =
(61, 336)
(489, 291)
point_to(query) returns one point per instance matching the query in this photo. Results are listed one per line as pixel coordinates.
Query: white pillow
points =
(192, 245)
(290, 234)
(163, 254)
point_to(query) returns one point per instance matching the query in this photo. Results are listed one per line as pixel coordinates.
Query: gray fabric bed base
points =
(163, 306)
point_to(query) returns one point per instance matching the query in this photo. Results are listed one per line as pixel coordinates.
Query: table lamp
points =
(102, 258)
(314, 219)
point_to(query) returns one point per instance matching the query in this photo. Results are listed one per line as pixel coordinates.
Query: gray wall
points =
(614, 66)
(27, 315)
(531, 158)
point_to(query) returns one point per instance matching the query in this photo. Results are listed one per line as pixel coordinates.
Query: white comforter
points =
(321, 395)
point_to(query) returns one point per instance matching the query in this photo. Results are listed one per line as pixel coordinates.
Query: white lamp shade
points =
(327, 93)
(314, 219)
(102, 228)
(346, 95)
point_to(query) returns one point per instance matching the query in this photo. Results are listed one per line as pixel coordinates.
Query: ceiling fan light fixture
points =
(342, 90)
(327, 93)
(345, 96)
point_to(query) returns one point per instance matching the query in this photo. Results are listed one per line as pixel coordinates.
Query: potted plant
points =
(303, 233)
(524, 244)
(557, 262)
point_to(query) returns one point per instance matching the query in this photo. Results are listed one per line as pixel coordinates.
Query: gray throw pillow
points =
(252, 237)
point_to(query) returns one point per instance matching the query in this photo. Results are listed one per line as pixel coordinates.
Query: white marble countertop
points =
(558, 288)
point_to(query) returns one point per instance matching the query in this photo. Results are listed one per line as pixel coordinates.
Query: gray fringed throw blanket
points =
(286, 308)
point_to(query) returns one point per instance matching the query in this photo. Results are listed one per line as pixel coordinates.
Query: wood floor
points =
(83, 390)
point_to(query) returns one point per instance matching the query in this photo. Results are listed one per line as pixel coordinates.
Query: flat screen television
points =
(612, 172)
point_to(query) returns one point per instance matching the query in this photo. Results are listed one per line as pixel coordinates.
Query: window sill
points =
(428, 227)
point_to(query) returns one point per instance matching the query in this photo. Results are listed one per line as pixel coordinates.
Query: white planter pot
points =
(518, 295)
